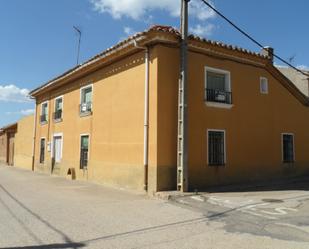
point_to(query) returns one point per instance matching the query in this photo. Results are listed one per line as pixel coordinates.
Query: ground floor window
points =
(216, 147)
(288, 148)
(84, 151)
(42, 150)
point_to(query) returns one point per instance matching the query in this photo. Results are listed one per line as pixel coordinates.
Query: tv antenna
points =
(79, 32)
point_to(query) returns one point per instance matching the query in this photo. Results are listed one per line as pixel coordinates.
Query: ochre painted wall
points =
(253, 125)
(115, 127)
(24, 143)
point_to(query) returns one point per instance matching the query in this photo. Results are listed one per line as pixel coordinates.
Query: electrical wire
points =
(251, 38)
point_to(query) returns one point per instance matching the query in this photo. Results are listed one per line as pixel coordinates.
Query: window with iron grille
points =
(218, 86)
(42, 150)
(288, 148)
(84, 151)
(216, 147)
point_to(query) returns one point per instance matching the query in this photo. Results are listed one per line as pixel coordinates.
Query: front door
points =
(57, 149)
(11, 150)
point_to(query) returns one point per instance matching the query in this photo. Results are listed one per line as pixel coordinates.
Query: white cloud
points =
(12, 93)
(137, 9)
(202, 30)
(22, 112)
(128, 31)
(303, 67)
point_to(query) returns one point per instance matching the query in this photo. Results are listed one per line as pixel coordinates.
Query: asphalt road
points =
(40, 211)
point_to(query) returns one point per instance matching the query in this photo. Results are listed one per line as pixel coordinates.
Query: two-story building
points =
(113, 119)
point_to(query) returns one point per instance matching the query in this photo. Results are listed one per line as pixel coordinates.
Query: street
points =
(41, 211)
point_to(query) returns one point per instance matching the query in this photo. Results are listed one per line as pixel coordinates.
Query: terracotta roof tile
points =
(155, 28)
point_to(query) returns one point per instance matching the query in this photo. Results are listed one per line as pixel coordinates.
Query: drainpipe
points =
(34, 136)
(146, 114)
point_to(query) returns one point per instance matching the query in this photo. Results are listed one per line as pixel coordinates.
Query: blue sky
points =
(37, 41)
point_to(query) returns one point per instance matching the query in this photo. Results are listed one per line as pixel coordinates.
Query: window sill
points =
(43, 123)
(219, 105)
(288, 162)
(58, 120)
(85, 114)
(216, 165)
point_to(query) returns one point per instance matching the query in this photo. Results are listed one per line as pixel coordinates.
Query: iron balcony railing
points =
(43, 118)
(217, 95)
(58, 115)
(85, 108)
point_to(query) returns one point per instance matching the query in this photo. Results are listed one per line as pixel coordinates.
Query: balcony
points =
(218, 96)
(58, 115)
(85, 109)
(43, 118)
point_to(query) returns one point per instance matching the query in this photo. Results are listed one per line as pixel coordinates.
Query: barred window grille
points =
(42, 150)
(288, 148)
(216, 148)
(84, 151)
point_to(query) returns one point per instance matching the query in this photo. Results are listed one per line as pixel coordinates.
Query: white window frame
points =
(47, 108)
(267, 85)
(282, 156)
(45, 147)
(60, 134)
(224, 138)
(228, 86)
(59, 97)
(80, 145)
(81, 91)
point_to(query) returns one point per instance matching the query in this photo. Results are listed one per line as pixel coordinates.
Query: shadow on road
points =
(36, 216)
(301, 184)
(50, 246)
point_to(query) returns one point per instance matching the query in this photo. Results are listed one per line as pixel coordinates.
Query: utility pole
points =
(79, 38)
(182, 145)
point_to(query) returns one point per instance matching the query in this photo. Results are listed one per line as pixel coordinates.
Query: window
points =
(288, 148)
(84, 151)
(264, 85)
(218, 86)
(216, 147)
(44, 112)
(58, 108)
(42, 150)
(86, 100)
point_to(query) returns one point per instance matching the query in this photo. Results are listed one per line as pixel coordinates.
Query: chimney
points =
(268, 51)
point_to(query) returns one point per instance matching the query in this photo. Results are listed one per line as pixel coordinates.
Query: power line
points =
(251, 38)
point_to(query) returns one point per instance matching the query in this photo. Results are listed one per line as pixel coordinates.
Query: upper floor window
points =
(44, 112)
(288, 153)
(218, 86)
(264, 85)
(86, 100)
(58, 108)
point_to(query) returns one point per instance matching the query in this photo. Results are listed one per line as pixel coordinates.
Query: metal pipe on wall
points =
(146, 115)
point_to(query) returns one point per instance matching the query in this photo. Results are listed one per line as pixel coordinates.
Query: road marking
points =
(249, 207)
(279, 211)
(197, 198)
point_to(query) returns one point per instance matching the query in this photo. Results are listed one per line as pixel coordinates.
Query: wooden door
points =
(11, 151)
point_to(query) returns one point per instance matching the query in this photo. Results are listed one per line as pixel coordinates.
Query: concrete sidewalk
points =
(39, 211)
